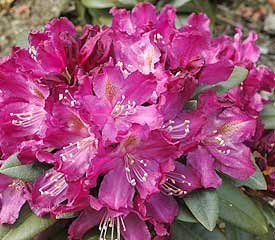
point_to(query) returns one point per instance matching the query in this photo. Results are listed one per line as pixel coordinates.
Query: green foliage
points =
(237, 76)
(239, 210)
(188, 231)
(204, 205)
(256, 181)
(26, 227)
(268, 116)
(12, 167)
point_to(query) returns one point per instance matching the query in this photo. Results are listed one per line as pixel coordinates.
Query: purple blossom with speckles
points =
(108, 112)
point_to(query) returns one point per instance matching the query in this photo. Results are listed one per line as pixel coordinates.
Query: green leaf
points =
(234, 233)
(188, 231)
(269, 122)
(268, 211)
(204, 205)
(99, 3)
(239, 210)
(237, 76)
(4, 229)
(268, 116)
(181, 20)
(27, 172)
(256, 181)
(29, 228)
(12, 161)
(100, 16)
(67, 215)
(185, 215)
(179, 3)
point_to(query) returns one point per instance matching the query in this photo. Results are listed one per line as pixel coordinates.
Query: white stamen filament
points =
(73, 150)
(27, 119)
(135, 169)
(67, 98)
(177, 131)
(173, 182)
(54, 186)
(122, 109)
(114, 223)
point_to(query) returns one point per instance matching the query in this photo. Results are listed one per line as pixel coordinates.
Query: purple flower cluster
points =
(106, 110)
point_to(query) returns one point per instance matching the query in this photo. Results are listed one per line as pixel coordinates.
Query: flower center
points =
(135, 169)
(73, 150)
(173, 184)
(28, 119)
(115, 224)
(54, 186)
(123, 108)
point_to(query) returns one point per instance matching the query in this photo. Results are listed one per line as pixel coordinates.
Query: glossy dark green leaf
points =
(256, 181)
(27, 172)
(29, 228)
(185, 215)
(204, 205)
(239, 210)
(234, 233)
(268, 116)
(268, 211)
(189, 231)
(237, 76)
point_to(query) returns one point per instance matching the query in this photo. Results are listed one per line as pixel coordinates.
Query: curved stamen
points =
(73, 150)
(28, 119)
(177, 131)
(135, 169)
(55, 185)
(173, 184)
(114, 224)
(122, 109)
(67, 98)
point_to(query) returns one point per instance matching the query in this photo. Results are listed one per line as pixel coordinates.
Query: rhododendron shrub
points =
(115, 127)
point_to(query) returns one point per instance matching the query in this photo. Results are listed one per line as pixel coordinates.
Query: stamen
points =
(28, 119)
(55, 185)
(73, 150)
(177, 131)
(67, 98)
(135, 169)
(173, 184)
(110, 222)
(33, 53)
(122, 109)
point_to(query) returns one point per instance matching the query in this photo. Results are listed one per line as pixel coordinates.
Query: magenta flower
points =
(117, 117)
(118, 102)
